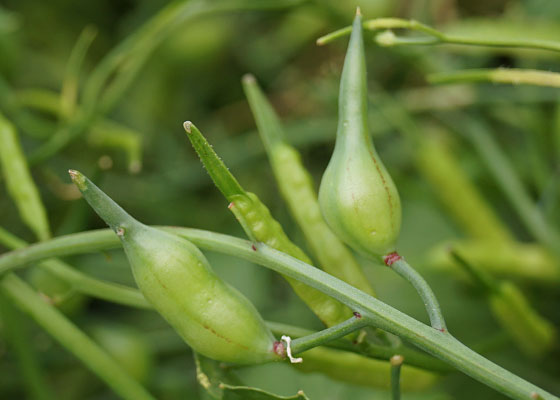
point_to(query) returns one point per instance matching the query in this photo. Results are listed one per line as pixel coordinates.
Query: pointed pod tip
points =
(78, 179)
(358, 11)
(188, 126)
(248, 78)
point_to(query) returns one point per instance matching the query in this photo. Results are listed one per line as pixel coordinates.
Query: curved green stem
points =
(401, 267)
(437, 37)
(441, 345)
(514, 76)
(71, 337)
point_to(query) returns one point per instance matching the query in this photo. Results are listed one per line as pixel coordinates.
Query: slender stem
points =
(81, 282)
(401, 267)
(19, 341)
(70, 83)
(414, 357)
(437, 37)
(481, 277)
(396, 364)
(326, 335)
(71, 337)
(441, 345)
(514, 76)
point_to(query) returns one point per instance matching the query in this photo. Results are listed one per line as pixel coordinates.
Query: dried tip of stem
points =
(78, 178)
(248, 78)
(358, 12)
(187, 125)
(397, 360)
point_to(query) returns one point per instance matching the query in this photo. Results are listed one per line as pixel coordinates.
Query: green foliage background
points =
(195, 75)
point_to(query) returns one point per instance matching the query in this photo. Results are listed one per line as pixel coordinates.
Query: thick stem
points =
(441, 345)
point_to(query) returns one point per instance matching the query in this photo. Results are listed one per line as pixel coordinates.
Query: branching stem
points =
(441, 345)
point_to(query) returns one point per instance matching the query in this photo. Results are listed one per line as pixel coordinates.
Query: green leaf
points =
(249, 393)
(221, 384)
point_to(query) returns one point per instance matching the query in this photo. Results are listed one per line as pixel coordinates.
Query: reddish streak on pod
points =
(230, 205)
(254, 247)
(357, 314)
(442, 330)
(391, 258)
(278, 348)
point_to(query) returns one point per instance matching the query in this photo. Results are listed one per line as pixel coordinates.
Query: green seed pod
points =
(260, 226)
(211, 316)
(357, 196)
(256, 220)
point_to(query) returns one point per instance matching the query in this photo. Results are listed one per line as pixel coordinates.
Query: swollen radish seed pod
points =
(211, 316)
(357, 196)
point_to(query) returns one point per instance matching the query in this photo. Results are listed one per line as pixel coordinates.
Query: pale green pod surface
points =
(211, 316)
(357, 196)
(520, 261)
(19, 182)
(532, 333)
(359, 370)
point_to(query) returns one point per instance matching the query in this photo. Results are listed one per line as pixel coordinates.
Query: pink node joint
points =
(391, 258)
(279, 348)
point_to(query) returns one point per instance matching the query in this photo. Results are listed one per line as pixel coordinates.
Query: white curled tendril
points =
(293, 360)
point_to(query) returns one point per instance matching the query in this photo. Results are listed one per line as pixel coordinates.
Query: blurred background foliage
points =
(140, 156)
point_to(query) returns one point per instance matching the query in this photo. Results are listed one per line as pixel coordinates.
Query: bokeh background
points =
(194, 73)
